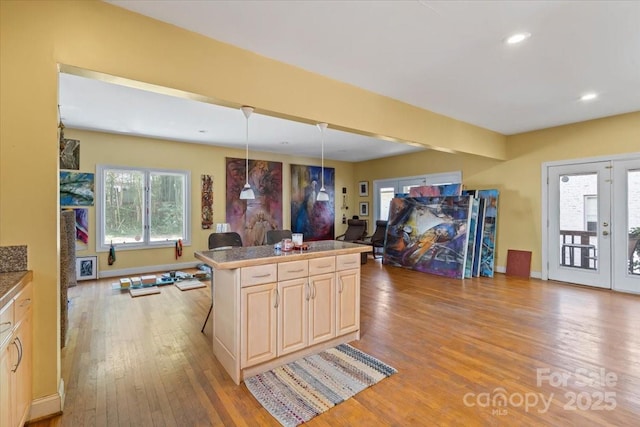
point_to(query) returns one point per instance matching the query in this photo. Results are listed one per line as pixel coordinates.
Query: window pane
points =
(167, 207)
(386, 194)
(633, 216)
(124, 206)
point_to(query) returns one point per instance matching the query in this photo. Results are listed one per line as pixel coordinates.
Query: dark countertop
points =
(11, 283)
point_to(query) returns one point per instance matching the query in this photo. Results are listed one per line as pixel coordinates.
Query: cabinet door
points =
(258, 319)
(5, 380)
(22, 376)
(293, 314)
(322, 321)
(348, 301)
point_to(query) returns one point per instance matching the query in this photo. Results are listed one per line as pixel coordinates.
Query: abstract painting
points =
(253, 218)
(436, 190)
(315, 220)
(477, 251)
(487, 256)
(429, 234)
(76, 189)
(82, 228)
(69, 154)
(471, 244)
(206, 191)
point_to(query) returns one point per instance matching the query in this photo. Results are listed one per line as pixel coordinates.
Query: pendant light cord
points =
(246, 167)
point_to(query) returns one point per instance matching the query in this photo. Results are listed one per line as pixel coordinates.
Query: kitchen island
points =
(273, 307)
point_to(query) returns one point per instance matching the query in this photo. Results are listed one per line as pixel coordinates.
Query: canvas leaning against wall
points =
(253, 218)
(429, 234)
(315, 220)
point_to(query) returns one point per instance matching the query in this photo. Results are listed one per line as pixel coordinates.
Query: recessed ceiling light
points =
(284, 142)
(202, 131)
(588, 96)
(517, 38)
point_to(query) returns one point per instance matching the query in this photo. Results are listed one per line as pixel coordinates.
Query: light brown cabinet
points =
(15, 359)
(272, 309)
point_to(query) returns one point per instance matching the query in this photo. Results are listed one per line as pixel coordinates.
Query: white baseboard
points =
(147, 269)
(49, 405)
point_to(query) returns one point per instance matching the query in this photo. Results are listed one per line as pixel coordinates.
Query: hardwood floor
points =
(458, 347)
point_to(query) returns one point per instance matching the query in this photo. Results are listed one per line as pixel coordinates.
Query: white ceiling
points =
(444, 56)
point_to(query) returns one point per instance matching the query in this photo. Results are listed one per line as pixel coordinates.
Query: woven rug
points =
(296, 392)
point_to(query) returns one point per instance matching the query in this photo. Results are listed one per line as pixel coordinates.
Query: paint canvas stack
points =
(443, 230)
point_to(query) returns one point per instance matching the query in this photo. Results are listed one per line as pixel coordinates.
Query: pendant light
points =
(247, 191)
(323, 196)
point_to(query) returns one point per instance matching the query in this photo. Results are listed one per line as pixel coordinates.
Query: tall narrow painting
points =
(206, 193)
(471, 241)
(82, 228)
(429, 234)
(315, 220)
(253, 218)
(487, 256)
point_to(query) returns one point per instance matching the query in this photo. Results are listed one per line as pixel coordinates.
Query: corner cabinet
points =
(15, 358)
(286, 310)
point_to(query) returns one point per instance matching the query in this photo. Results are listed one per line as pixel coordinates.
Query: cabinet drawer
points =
(258, 275)
(345, 262)
(6, 321)
(23, 302)
(322, 265)
(293, 270)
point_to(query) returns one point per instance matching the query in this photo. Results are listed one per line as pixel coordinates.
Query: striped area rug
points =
(296, 392)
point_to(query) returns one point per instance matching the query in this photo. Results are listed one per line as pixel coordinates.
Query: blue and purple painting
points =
(429, 234)
(315, 220)
(76, 189)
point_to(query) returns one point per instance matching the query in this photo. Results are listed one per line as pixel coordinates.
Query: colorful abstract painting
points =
(315, 220)
(82, 228)
(206, 193)
(436, 190)
(429, 234)
(76, 189)
(477, 251)
(253, 218)
(471, 241)
(487, 257)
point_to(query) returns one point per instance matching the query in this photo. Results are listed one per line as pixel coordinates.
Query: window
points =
(138, 208)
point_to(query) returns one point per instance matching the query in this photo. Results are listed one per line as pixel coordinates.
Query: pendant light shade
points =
(247, 191)
(323, 196)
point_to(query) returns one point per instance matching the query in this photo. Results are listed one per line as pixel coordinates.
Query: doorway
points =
(593, 218)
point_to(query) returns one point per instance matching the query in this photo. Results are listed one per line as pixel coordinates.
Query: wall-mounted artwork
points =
(253, 218)
(315, 220)
(86, 267)
(82, 228)
(206, 190)
(76, 189)
(429, 234)
(70, 154)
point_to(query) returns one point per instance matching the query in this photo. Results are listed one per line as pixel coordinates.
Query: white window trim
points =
(101, 247)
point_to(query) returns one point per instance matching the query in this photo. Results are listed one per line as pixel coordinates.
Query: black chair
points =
(275, 236)
(376, 240)
(219, 242)
(356, 233)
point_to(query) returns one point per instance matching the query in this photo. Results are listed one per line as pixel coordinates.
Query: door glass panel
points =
(578, 220)
(633, 215)
(386, 194)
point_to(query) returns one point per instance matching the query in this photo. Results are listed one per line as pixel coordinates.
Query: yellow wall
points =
(36, 36)
(518, 178)
(123, 150)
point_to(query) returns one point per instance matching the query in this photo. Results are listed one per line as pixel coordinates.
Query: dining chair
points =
(219, 242)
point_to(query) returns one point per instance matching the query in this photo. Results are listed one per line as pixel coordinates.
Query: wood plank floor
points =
(559, 355)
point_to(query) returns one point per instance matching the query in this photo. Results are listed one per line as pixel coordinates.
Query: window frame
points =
(145, 243)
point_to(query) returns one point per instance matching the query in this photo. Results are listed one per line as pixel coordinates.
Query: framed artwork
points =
(363, 188)
(364, 208)
(315, 220)
(86, 267)
(76, 189)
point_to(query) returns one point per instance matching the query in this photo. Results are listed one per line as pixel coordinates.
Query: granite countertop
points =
(266, 254)
(11, 283)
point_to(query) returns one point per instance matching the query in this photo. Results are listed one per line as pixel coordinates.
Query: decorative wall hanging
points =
(76, 189)
(206, 189)
(363, 188)
(253, 218)
(315, 220)
(82, 228)
(86, 267)
(69, 154)
(429, 234)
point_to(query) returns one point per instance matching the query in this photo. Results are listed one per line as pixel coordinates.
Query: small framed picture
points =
(363, 188)
(86, 267)
(364, 208)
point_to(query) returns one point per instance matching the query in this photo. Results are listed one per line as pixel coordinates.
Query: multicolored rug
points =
(296, 392)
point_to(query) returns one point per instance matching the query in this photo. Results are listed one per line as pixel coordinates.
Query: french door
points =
(593, 209)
